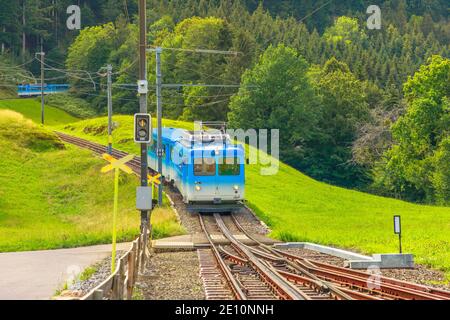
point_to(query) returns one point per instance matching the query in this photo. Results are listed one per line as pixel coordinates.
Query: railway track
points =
(256, 276)
(357, 284)
(134, 164)
(243, 272)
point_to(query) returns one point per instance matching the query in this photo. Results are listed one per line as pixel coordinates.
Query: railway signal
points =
(142, 128)
(116, 165)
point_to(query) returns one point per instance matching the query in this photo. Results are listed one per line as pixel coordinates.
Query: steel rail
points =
(271, 276)
(362, 283)
(235, 287)
(391, 288)
(340, 294)
(403, 284)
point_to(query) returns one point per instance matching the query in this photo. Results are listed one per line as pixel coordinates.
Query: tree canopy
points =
(277, 94)
(417, 164)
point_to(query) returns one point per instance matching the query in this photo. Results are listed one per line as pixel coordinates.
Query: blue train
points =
(31, 90)
(207, 168)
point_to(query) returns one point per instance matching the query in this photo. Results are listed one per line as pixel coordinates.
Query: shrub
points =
(74, 106)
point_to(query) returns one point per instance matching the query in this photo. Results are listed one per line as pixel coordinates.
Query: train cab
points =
(207, 168)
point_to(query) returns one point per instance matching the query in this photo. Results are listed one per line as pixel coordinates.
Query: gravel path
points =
(80, 287)
(172, 276)
(37, 275)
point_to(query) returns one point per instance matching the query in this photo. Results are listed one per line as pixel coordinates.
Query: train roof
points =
(187, 138)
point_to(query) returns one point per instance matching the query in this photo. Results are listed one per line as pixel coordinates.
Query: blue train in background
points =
(206, 167)
(33, 90)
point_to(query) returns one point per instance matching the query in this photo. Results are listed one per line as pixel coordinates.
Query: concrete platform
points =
(355, 260)
(344, 254)
(384, 261)
(185, 242)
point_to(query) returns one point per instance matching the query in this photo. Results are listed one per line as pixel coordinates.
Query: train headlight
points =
(198, 188)
(236, 187)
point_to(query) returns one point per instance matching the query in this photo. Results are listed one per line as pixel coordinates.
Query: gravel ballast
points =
(172, 276)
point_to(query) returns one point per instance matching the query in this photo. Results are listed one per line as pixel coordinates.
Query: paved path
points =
(38, 274)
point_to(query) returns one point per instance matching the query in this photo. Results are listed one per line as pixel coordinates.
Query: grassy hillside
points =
(53, 195)
(299, 208)
(97, 129)
(31, 108)
(74, 106)
(6, 93)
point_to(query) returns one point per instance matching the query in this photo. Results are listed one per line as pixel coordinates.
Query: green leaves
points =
(420, 157)
(345, 29)
(432, 80)
(277, 94)
(181, 65)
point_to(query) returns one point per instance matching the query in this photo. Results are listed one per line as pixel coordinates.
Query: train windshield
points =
(204, 167)
(230, 167)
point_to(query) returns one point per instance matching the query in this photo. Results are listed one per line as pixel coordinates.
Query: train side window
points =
(230, 167)
(204, 167)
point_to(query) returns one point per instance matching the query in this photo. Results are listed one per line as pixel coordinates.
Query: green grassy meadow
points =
(298, 208)
(53, 195)
(31, 109)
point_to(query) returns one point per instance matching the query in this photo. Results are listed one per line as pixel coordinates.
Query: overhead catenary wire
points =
(74, 73)
(20, 65)
(89, 77)
(235, 53)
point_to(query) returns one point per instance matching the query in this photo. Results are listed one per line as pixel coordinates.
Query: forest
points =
(359, 108)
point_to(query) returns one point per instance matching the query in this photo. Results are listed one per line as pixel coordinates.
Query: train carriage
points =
(34, 90)
(207, 168)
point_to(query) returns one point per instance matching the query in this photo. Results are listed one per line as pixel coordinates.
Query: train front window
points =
(204, 167)
(230, 167)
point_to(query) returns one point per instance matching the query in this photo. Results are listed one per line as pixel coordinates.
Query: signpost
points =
(398, 230)
(42, 54)
(116, 165)
(110, 111)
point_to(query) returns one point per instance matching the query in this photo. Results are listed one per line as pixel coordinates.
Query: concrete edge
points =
(355, 260)
(174, 209)
(344, 254)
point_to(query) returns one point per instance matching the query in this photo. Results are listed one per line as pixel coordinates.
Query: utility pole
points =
(109, 70)
(160, 150)
(42, 54)
(143, 104)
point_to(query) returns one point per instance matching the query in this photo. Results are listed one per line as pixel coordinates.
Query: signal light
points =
(142, 128)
